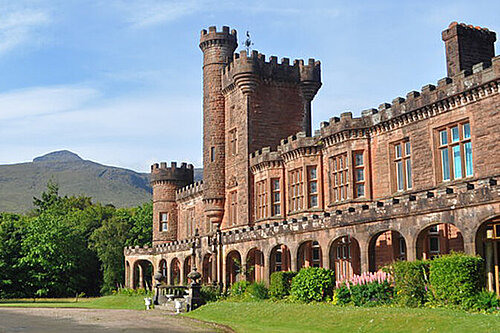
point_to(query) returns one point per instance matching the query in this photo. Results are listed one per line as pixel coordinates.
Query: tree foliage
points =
(68, 245)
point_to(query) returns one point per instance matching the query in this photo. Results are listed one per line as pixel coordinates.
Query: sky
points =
(119, 81)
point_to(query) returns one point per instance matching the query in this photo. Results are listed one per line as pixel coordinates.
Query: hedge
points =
(456, 279)
(280, 284)
(313, 284)
(410, 281)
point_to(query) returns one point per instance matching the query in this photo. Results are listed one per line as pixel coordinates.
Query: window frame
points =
(448, 149)
(310, 181)
(296, 189)
(275, 204)
(164, 222)
(339, 178)
(358, 167)
(404, 159)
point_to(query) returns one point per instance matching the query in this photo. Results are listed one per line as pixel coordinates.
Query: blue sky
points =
(119, 82)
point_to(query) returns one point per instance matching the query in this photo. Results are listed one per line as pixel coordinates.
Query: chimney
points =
(466, 46)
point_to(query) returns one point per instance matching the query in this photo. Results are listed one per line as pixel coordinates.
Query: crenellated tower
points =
(218, 48)
(165, 181)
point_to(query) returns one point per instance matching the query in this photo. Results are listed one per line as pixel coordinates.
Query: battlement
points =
(297, 141)
(456, 28)
(214, 37)
(255, 65)
(448, 93)
(190, 190)
(265, 155)
(172, 173)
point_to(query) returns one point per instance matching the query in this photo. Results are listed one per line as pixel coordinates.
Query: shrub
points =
(456, 279)
(410, 281)
(210, 293)
(341, 295)
(371, 294)
(313, 284)
(239, 288)
(280, 284)
(256, 291)
(484, 301)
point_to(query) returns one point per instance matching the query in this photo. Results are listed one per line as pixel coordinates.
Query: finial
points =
(248, 42)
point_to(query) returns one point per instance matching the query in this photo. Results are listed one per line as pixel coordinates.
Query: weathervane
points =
(248, 42)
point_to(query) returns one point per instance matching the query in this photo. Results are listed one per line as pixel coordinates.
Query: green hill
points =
(19, 183)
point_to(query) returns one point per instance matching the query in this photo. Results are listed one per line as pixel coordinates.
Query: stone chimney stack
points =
(467, 45)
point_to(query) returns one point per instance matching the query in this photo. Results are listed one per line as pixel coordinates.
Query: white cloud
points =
(44, 100)
(18, 26)
(146, 13)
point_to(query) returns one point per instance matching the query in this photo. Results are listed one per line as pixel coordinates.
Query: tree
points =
(12, 276)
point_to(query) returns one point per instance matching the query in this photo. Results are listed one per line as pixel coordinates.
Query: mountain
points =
(19, 183)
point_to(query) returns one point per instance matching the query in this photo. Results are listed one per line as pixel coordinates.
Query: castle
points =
(412, 179)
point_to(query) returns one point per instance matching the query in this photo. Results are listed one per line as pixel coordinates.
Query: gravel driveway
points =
(57, 320)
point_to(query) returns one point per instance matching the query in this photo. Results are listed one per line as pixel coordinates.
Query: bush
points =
(280, 284)
(342, 295)
(210, 293)
(484, 301)
(239, 288)
(256, 291)
(372, 294)
(313, 284)
(456, 279)
(410, 281)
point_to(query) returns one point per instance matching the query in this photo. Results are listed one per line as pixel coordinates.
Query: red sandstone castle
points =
(412, 179)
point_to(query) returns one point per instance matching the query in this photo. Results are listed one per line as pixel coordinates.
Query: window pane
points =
(399, 175)
(359, 159)
(407, 148)
(360, 175)
(276, 196)
(457, 162)
(454, 134)
(443, 137)
(445, 164)
(398, 150)
(314, 200)
(434, 244)
(312, 173)
(468, 159)
(313, 187)
(360, 190)
(164, 217)
(276, 184)
(408, 173)
(466, 129)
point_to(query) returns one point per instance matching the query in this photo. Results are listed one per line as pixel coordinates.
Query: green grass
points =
(135, 302)
(285, 317)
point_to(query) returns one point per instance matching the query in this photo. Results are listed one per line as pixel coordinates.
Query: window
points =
(313, 186)
(402, 246)
(233, 208)
(190, 224)
(455, 151)
(316, 254)
(296, 189)
(275, 197)
(359, 175)
(163, 221)
(233, 142)
(279, 262)
(339, 178)
(434, 244)
(402, 165)
(212, 154)
(261, 199)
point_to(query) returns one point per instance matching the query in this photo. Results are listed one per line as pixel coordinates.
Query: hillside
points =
(19, 183)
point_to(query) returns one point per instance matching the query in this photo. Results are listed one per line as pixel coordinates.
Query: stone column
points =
(141, 276)
(489, 266)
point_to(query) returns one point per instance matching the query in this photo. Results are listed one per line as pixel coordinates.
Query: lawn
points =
(285, 317)
(135, 302)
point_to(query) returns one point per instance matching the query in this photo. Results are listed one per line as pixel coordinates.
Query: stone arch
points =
(309, 254)
(386, 247)
(255, 265)
(143, 272)
(487, 240)
(280, 259)
(438, 238)
(175, 272)
(345, 257)
(233, 267)
(163, 269)
(206, 269)
(187, 267)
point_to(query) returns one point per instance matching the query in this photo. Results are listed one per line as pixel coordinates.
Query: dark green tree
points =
(12, 276)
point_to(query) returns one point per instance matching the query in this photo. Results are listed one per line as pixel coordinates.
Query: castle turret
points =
(218, 48)
(466, 46)
(166, 180)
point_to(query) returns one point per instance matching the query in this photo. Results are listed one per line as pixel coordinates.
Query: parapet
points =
(265, 156)
(163, 172)
(254, 65)
(214, 37)
(456, 28)
(300, 141)
(190, 190)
